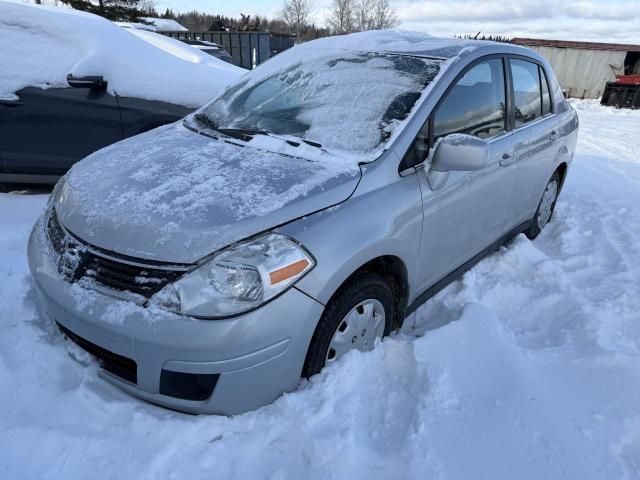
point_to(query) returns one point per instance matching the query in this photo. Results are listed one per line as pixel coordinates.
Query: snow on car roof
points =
(40, 46)
(399, 41)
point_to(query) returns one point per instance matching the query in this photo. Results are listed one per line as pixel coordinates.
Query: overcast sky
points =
(595, 20)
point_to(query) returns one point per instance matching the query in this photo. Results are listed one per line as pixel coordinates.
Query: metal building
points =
(584, 68)
(248, 49)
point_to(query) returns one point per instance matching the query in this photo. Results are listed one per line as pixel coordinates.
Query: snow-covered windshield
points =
(349, 100)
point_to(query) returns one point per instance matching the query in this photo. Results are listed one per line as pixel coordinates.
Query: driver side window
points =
(476, 105)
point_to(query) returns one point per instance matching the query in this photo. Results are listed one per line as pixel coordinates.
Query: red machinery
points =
(623, 93)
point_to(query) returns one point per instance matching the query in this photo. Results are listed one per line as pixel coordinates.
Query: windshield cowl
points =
(286, 145)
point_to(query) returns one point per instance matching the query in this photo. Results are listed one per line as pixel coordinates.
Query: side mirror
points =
(91, 81)
(460, 152)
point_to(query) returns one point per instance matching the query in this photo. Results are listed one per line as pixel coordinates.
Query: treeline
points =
(295, 16)
(492, 38)
(197, 21)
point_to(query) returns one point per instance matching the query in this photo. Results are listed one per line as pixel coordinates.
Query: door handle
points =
(11, 103)
(508, 158)
(554, 135)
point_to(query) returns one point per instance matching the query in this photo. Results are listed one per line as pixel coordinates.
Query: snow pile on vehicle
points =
(534, 375)
(40, 45)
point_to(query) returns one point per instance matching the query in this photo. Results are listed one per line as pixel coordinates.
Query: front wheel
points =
(360, 313)
(545, 209)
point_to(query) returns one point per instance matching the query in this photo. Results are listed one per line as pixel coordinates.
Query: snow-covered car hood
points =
(175, 195)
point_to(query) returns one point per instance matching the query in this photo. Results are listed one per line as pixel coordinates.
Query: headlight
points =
(55, 194)
(238, 279)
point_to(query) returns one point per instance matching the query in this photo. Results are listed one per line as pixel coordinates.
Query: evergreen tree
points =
(118, 10)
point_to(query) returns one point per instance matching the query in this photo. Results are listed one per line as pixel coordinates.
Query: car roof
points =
(402, 42)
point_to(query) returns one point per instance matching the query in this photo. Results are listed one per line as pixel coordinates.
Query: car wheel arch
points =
(394, 271)
(562, 171)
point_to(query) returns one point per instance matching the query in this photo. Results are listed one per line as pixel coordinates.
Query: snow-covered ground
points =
(535, 373)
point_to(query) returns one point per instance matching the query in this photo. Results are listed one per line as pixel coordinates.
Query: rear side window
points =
(476, 104)
(526, 89)
(546, 97)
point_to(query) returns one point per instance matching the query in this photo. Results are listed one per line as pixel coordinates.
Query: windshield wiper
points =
(246, 133)
(206, 121)
(239, 133)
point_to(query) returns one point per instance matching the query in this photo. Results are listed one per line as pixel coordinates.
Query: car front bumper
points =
(254, 358)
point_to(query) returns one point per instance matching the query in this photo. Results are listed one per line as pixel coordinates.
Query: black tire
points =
(361, 287)
(534, 229)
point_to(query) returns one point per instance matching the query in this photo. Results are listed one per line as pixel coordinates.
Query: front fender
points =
(379, 222)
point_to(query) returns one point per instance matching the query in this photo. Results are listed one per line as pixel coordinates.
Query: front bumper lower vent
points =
(118, 365)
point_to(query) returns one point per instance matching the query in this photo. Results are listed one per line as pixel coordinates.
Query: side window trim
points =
(544, 77)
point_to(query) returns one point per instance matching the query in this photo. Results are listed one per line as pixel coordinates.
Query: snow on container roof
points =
(40, 46)
(166, 25)
(155, 25)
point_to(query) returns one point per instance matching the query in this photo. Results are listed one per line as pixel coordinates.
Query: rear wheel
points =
(545, 209)
(359, 314)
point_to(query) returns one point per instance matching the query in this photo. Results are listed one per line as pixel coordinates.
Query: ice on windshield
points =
(349, 101)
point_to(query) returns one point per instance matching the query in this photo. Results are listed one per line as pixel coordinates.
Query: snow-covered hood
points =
(175, 195)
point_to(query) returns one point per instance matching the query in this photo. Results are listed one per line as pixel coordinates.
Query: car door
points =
(49, 130)
(139, 115)
(536, 127)
(465, 211)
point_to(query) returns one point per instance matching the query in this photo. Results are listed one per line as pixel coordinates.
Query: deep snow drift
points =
(81, 44)
(536, 375)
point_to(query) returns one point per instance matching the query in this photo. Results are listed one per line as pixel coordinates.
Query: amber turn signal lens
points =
(289, 271)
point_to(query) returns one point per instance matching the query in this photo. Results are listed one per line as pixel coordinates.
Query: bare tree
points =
(364, 14)
(148, 7)
(341, 17)
(384, 16)
(296, 14)
(346, 16)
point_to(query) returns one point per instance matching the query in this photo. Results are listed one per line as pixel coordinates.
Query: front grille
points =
(120, 366)
(142, 280)
(78, 260)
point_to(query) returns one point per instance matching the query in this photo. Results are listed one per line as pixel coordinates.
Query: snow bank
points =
(534, 375)
(40, 45)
